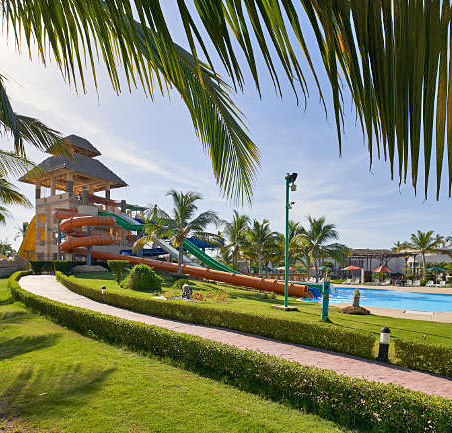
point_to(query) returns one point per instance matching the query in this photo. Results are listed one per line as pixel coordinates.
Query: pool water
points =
(392, 299)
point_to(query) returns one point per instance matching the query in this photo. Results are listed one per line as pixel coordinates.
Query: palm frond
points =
(10, 195)
(367, 45)
(25, 129)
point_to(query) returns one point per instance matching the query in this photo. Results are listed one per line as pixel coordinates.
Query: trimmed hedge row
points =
(324, 336)
(355, 403)
(433, 358)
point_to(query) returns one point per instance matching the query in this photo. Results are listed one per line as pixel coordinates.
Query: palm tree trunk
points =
(424, 274)
(180, 259)
(259, 257)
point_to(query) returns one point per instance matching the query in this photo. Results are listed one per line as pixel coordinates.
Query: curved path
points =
(47, 286)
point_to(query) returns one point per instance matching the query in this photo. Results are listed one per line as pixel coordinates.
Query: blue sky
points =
(153, 147)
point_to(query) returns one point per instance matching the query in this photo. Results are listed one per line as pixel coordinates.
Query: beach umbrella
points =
(355, 268)
(352, 268)
(436, 268)
(383, 269)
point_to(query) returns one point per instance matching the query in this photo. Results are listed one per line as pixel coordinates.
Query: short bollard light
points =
(384, 344)
(104, 289)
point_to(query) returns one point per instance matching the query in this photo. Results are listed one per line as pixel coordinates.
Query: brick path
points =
(47, 286)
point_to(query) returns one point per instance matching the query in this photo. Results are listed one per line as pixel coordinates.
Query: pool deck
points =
(431, 316)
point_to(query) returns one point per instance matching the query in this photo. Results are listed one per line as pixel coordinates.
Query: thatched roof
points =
(81, 145)
(80, 164)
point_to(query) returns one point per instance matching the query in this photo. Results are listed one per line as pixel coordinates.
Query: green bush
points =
(118, 267)
(63, 266)
(325, 336)
(40, 266)
(356, 403)
(142, 277)
(179, 283)
(424, 356)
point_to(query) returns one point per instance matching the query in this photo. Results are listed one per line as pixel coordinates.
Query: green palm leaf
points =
(367, 44)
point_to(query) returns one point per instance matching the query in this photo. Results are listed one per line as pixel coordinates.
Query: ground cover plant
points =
(251, 301)
(47, 386)
(372, 406)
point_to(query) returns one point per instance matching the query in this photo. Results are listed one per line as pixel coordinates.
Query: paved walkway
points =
(46, 285)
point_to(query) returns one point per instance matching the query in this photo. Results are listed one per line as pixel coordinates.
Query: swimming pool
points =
(393, 299)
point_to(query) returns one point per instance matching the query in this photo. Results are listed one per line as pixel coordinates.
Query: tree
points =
(6, 249)
(260, 241)
(398, 246)
(366, 45)
(295, 242)
(21, 230)
(422, 243)
(317, 237)
(180, 225)
(9, 195)
(235, 232)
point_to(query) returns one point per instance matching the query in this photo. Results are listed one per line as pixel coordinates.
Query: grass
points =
(55, 380)
(252, 301)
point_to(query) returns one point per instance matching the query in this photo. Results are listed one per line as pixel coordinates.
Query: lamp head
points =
(292, 177)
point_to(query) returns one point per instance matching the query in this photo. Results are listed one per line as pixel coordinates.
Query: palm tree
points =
(395, 97)
(181, 224)
(260, 241)
(317, 237)
(21, 230)
(9, 195)
(295, 242)
(422, 243)
(398, 246)
(235, 231)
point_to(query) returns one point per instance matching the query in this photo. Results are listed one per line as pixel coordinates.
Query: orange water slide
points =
(73, 220)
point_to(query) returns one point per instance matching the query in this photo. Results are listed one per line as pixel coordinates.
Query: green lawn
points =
(251, 301)
(55, 380)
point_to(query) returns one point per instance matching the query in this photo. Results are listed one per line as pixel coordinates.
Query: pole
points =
(286, 252)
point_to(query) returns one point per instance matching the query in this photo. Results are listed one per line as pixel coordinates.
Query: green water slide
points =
(124, 221)
(206, 259)
(130, 224)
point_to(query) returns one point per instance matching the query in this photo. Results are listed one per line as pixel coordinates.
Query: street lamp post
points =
(290, 183)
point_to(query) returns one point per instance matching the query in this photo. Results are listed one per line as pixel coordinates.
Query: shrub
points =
(62, 266)
(325, 336)
(179, 283)
(350, 309)
(356, 403)
(356, 296)
(40, 266)
(142, 277)
(424, 356)
(198, 296)
(118, 267)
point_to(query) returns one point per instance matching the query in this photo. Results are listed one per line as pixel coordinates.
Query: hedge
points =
(355, 403)
(433, 358)
(321, 335)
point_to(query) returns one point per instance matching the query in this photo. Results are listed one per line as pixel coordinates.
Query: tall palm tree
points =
(21, 230)
(317, 237)
(366, 45)
(260, 241)
(399, 246)
(235, 232)
(181, 224)
(422, 243)
(295, 242)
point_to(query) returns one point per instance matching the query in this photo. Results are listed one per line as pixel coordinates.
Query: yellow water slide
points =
(27, 249)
